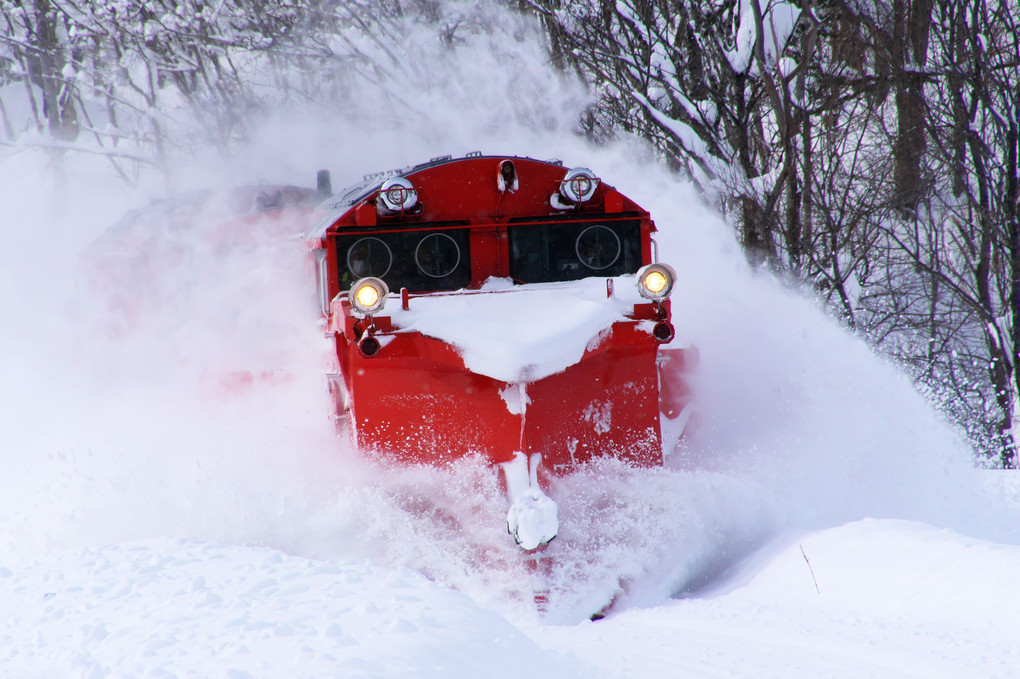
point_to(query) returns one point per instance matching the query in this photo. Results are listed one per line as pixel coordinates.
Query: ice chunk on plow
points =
(533, 518)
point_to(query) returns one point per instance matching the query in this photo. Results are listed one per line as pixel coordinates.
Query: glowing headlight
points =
(398, 194)
(579, 185)
(655, 281)
(368, 295)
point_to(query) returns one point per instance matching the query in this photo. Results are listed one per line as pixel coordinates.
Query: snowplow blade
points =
(416, 402)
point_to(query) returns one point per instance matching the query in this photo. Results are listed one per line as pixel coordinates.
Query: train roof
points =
(339, 204)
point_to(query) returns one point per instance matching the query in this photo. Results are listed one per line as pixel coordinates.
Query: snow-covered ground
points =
(158, 522)
(872, 598)
(166, 607)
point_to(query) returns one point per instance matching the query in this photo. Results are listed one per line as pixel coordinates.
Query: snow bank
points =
(872, 598)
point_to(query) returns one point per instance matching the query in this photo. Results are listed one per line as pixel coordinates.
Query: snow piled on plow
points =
(521, 333)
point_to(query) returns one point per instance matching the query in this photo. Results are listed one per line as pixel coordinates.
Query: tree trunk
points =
(1013, 226)
(909, 48)
(50, 59)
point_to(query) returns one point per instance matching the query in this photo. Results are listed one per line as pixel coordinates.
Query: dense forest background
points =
(865, 150)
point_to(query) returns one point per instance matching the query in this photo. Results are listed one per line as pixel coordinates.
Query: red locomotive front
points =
(506, 307)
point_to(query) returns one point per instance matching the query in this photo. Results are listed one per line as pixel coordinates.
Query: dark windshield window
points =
(420, 260)
(567, 251)
(369, 256)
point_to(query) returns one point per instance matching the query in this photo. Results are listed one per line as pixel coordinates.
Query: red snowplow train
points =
(505, 307)
(492, 306)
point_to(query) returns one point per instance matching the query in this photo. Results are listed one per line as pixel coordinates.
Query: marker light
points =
(369, 346)
(368, 295)
(664, 332)
(579, 185)
(655, 281)
(398, 194)
(506, 178)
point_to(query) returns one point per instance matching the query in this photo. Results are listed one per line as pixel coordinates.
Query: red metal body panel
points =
(607, 404)
(417, 403)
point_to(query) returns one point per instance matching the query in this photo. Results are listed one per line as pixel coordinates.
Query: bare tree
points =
(870, 149)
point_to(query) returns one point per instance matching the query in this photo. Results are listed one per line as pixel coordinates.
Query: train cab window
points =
(597, 247)
(421, 260)
(567, 251)
(437, 255)
(369, 256)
